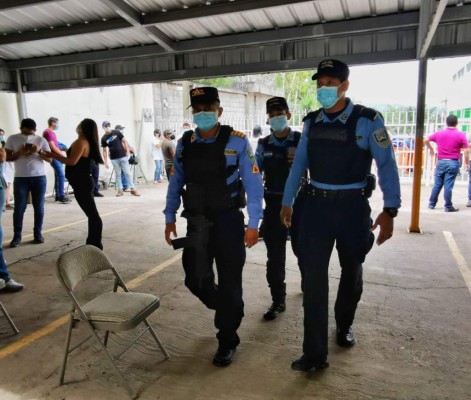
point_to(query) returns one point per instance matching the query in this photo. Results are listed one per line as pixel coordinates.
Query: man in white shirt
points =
(25, 149)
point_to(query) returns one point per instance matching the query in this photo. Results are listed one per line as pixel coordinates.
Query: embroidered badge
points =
(381, 137)
(344, 117)
(229, 152)
(255, 169)
(193, 138)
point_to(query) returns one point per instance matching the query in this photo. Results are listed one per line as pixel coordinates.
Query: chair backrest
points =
(76, 264)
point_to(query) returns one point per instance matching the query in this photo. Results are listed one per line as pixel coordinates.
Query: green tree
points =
(299, 90)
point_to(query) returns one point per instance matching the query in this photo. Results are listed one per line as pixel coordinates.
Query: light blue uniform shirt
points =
(370, 136)
(238, 151)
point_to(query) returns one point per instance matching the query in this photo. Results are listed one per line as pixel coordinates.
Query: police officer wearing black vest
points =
(338, 144)
(214, 167)
(275, 154)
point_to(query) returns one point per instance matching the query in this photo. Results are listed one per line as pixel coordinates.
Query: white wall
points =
(118, 104)
(9, 120)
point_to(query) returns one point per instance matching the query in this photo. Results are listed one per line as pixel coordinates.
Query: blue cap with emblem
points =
(332, 68)
(277, 103)
(204, 95)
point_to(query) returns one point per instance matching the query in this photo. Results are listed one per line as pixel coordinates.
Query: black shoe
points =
(97, 194)
(38, 239)
(451, 209)
(306, 365)
(15, 242)
(345, 337)
(223, 357)
(274, 310)
(64, 200)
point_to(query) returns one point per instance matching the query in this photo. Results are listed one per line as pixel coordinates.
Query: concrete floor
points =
(413, 324)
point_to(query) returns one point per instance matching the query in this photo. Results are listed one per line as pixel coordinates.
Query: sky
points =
(397, 83)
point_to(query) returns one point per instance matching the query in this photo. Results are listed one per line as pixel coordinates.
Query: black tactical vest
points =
(334, 157)
(206, 173)
(276, 162)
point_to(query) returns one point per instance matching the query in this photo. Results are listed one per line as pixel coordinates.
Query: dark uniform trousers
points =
(344, 221)
(275, 235)
(227, 248)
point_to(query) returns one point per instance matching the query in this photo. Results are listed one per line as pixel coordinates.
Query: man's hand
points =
(386, 227)
(169, 229)
(432, 153)
(285, 215)
(251, 237)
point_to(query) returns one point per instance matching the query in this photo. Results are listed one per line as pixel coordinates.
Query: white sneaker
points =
(2, 284)
(13, 286)
(120, 193)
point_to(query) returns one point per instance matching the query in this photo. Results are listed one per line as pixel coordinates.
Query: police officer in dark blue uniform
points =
(275, 154)
(338, 144)
(214, 167)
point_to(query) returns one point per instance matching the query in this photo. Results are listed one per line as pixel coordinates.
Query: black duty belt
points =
(315, 192)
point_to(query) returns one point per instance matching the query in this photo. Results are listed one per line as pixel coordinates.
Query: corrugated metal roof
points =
(233, 36)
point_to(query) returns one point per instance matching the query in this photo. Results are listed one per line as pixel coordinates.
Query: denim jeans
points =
(22, 187)
(3, 265)
(445, 175)
(59, 179)
(122, 165)
(158, 170)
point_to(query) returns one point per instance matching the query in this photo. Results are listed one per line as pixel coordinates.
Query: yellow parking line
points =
(460, 260)
(26, 341)
(57, 228)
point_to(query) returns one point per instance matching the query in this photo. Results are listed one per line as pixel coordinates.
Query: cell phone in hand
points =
(29, 145)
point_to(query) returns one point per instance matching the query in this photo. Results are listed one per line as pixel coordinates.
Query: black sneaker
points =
(345, 337)
(306, 365)
(97, 194)
(64, 200)
(451, 209)
(15, 242)
(274, 310)
(38, 239)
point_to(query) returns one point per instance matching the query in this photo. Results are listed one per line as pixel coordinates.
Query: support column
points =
(20, 97)
(419, 144)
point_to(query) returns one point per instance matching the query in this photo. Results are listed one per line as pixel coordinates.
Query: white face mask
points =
(107, 129)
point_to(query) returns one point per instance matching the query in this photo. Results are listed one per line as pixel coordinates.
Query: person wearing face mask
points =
(275, 155)
(26, 150)
(59, 178)
(168, 151)
(338, 143)
(213, 168)
(80, 155)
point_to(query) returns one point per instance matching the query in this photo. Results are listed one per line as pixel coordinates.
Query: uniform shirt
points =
(449, 141)
(114, 141)
(32, 165)
(370, 135)
(238, 150)
(274, 141)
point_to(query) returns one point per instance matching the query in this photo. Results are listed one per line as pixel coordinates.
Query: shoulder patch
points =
(255, 169)
(237, 133)
(381, 137)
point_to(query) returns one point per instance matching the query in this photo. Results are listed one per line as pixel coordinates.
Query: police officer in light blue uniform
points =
(214, 167)
(338, 144)
(275, 154)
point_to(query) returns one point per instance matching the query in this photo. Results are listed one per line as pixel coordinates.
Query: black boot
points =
(345, 337)
(275, 309)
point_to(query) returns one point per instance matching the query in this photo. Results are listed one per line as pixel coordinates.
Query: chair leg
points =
(110, 357)
(10, 321)
(67, 346)
(156, 338)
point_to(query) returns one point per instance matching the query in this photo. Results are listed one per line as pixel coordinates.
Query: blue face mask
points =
(278, 123)
(327, 96)
(56, 127)
(205, 120)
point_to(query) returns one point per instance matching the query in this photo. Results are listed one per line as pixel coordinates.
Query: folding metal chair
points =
(112, 311)
(7, 316)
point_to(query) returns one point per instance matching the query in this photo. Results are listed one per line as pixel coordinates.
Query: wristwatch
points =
(391, 211)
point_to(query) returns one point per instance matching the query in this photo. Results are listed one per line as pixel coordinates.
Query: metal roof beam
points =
(133, 16)
(215, 9)
(63, 31)
(333, 29)
(8, 4)
(428, 25)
